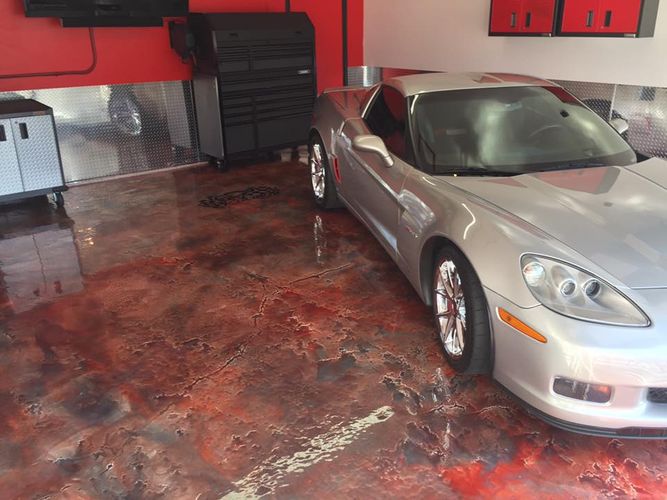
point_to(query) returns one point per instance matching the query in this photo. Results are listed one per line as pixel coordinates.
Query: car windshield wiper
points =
(478, 173)
(573, 165)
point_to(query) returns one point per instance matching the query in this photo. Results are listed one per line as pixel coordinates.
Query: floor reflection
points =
(320, 239)
(267, 348)
(39, 259)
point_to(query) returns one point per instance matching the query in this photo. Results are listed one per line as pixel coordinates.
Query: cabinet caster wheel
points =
(221, 165)
(58, 199)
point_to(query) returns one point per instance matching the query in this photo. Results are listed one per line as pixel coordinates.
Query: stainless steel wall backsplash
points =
(113, 130)
(364, 76)
(644, 108)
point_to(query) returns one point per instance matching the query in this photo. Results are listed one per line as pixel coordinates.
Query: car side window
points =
(386, 118)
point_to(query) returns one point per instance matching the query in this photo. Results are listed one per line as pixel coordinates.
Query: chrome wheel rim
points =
(317, 172)
(450, 308)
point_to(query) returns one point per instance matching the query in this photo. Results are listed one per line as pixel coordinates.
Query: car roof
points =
(437, 82)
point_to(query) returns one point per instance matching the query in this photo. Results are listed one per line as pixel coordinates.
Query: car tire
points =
(126, 113)
(321, 175)
(460, 303)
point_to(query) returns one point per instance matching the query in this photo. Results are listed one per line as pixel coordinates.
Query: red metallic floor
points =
(152, 347)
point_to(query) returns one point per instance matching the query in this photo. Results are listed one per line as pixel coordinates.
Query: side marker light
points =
(520, 326)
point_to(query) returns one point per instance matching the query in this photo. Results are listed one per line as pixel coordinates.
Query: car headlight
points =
(575, 293)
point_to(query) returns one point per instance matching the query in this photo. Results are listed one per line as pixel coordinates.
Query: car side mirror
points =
(620, 125)
(373, 144)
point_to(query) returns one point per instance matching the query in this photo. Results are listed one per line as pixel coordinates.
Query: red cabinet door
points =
(506, 16)
(619, 16)
(538, 16)
(581, 16)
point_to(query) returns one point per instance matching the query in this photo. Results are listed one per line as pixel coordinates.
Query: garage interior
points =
(186, 328)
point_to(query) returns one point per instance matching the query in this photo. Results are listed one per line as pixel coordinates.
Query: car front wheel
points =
(323, 185)
(461, 313)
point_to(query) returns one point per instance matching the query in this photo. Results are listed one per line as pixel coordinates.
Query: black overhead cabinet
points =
(254, 81)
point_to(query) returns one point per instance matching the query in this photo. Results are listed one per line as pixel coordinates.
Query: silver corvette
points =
(529, 225)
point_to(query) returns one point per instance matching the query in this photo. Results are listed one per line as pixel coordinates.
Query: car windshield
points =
(511, 131)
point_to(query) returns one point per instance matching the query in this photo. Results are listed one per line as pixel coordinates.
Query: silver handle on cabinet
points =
(23, 129)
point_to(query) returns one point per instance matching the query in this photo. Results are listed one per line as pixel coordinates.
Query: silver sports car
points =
(529, 226)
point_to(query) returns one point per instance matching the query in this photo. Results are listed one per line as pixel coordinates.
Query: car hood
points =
(613, 216)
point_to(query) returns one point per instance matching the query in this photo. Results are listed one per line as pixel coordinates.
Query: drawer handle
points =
(529, 19)
(3, 134)
(590, 19)
(607, 18)
(23, 128)
(513, 20)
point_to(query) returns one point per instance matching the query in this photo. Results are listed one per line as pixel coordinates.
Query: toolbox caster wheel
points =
(221, 165)
(58, 199)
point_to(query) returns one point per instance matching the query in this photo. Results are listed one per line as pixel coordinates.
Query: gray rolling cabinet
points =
(30, 163)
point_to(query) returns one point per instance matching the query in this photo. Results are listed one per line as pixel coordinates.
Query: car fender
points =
(493, 240)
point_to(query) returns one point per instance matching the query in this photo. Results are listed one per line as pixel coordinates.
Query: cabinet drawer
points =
(619, 16)
(635, 18)
(522, 17)
(506, 16)
(10, 174)
(580, 16)
(37, 151)
(538, 16)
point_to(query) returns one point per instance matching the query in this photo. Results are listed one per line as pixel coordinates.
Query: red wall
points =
(143, 54)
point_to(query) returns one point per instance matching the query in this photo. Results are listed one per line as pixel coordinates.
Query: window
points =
(511, 131)
(386, 119)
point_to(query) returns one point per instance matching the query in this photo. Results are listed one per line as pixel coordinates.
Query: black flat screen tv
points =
(107, 13)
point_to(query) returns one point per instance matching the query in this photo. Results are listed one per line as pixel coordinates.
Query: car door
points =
(371, 187)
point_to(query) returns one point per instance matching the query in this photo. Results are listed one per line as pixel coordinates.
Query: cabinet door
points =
(538, 16)
(37, 151)
(619, 16)
(581, 16)
(506, 16)
(10, 174)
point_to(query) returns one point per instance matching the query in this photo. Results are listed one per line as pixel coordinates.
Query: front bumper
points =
(630, 360)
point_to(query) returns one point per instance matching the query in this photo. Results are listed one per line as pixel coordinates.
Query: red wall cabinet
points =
(625, 18)
(522, 17)
(629, 18)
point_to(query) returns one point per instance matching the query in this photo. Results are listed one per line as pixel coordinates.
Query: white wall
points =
(452, 35)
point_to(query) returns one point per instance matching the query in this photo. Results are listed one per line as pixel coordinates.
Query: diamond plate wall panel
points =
(644, 108)
(364, 76)
(37, 153)
(112, 130)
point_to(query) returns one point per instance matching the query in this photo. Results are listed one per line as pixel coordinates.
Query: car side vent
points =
(658, 395)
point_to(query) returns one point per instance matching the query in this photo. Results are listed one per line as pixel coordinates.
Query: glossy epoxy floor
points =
(151, 347)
